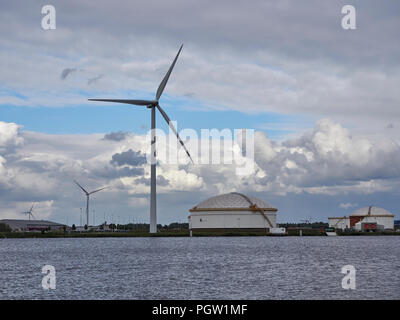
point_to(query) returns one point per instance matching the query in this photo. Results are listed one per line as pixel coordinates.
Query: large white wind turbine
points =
(87, 199)
(153, 104)
(29, 213)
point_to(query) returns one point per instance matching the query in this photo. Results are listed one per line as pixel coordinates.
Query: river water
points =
(201, 268)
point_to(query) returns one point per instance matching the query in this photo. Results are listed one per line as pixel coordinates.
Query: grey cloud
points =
(116, 136)
(66, 72)
(290, 28)
(288, 58)
(130, 157)
(95, 79)
(143, 180)
(114, 173)
(161, 181)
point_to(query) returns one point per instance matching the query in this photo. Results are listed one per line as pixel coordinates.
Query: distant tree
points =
(5, 227)
(178, 226)
(73, 227)
(86, 227)
(314, 225)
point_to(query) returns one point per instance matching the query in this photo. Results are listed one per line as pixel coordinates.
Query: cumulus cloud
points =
(9, 135)
(130, 157)
(326, 161)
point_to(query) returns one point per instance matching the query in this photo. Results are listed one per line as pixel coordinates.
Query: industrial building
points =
(32, 225)
(365, 219)
(232, 211)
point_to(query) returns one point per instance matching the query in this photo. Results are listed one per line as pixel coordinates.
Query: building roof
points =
(233, 200)
(371, 211)
(21, 224)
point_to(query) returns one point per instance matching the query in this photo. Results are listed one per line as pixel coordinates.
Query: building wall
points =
(339, 223)
(387, 222)
(34, 225)
(350, 222)
(354, 220)
(230, 220)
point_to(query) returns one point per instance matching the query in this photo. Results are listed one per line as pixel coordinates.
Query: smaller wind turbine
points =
(29, 213)
(87, 199)
(307, 221)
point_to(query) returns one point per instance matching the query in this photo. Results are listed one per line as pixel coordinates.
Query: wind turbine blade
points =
(32, 207)
(98, 190)
(174, 130)
(81, 187)
(163, 83)
(127, 101)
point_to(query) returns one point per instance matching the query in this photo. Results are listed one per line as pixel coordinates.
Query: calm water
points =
(201, 268)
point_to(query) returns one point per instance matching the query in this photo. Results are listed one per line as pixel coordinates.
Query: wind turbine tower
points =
(153, 105)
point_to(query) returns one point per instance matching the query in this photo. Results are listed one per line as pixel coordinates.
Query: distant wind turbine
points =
(87, 199)
(29, 213)
(153, 104)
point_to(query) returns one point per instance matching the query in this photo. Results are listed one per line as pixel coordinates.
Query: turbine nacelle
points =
(155, 104)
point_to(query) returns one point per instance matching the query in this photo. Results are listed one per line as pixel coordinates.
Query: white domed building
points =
(232, 211)
(364, 218)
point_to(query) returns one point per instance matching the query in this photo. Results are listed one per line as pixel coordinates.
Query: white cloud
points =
(326, 161)
(9, 135)
(348, 205)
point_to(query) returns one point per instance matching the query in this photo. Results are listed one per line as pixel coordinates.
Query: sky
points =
(323, 103)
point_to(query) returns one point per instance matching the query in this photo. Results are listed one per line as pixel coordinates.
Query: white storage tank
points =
(381, 217)
(341, 223)
(373, 215)
(232, 211)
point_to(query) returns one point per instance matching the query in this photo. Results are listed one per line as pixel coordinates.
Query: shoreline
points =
(145, 234)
